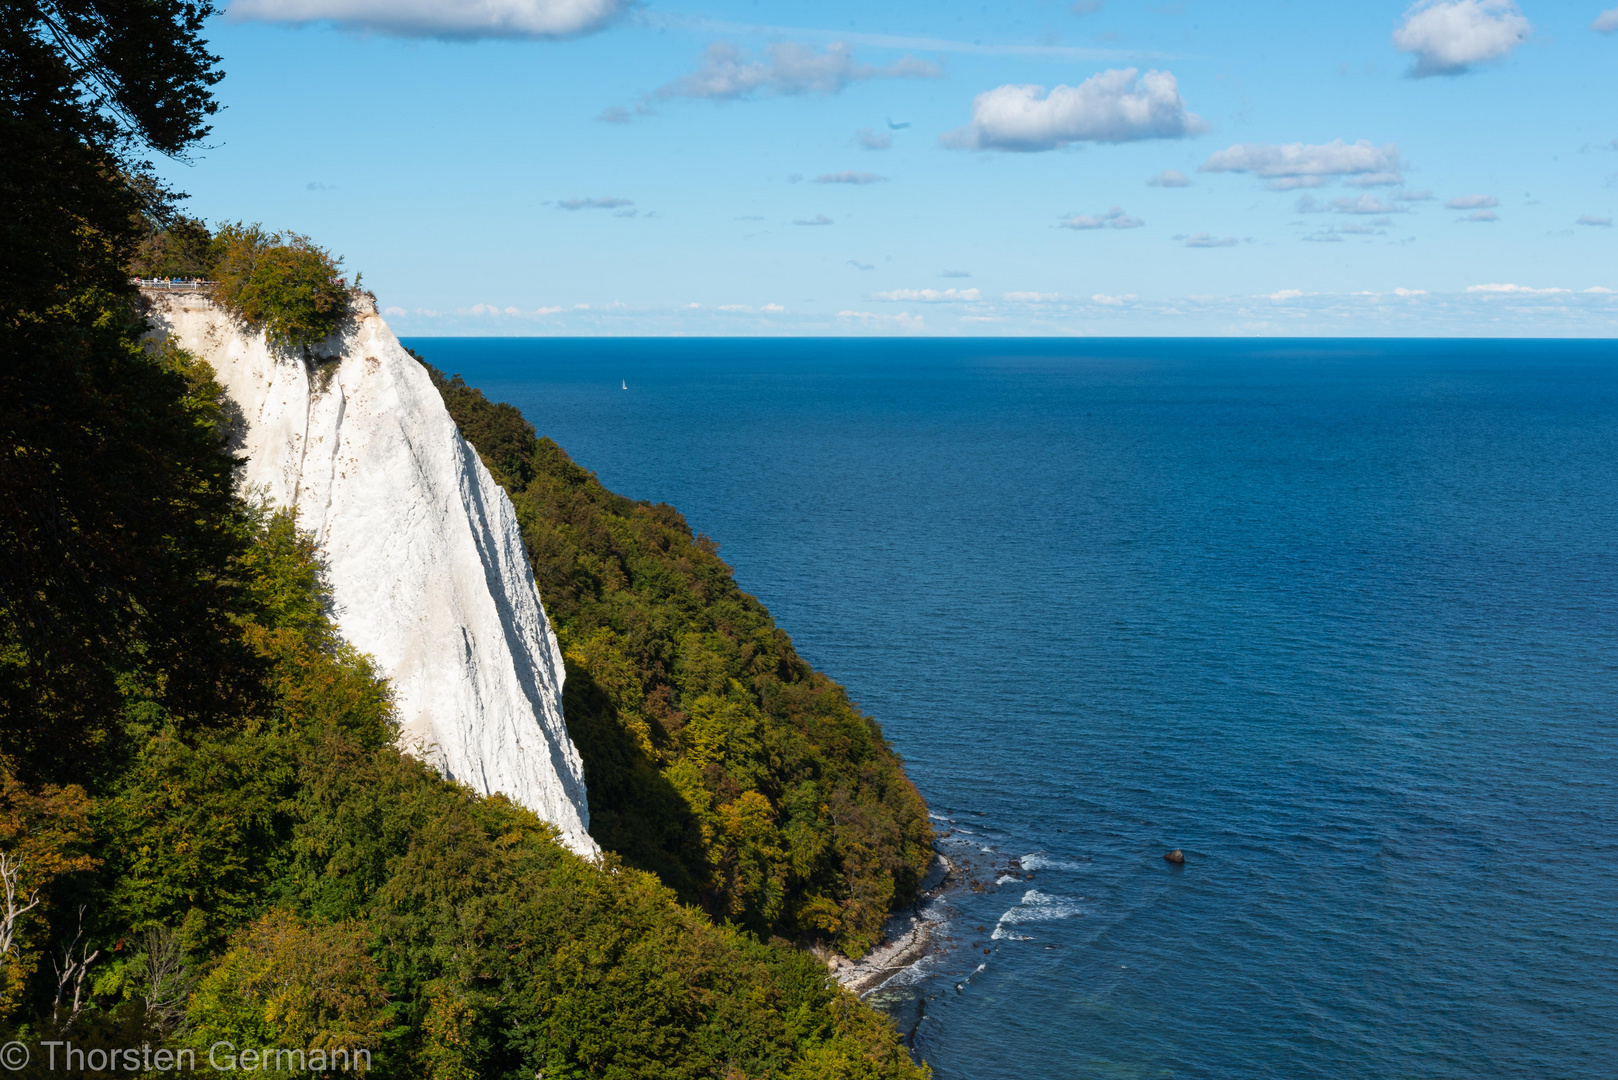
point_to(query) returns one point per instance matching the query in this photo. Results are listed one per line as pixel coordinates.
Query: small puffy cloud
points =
(1288, 166)
(453, 19)
(872, 139)
(1480, 216)
(956, 273)
(1473, 202)
(1112, 219)
(1170, 178)
(1113, 301)
(1208, 240)
(786, 69)
(1449, 37)
(1283, 295)
(1591, 219)
(818, 219)
(849, 176)
(1366, 204)
(1033, 297)
(1401, 291)
(1606, 22)
(1112, 107)
(607, 203)
(1413, 196)
(929, 296)
(773, 309)
(394, 311)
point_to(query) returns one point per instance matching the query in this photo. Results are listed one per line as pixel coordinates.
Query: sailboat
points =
(625, 382)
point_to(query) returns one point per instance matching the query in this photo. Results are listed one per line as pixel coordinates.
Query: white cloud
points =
(774, 309)
(930, 296)
(1170, 178)
(1112, 107)
(1413, 196)
(1606, 22)
(1402, 291)
(956, 273)
(1285, 167)
(1365, 204)
(1481, 216)
(394, 311)
(1113, 301)
(1285, 294)
(607, 203)
(849, 176)
(1033, 297)
(872, 139)
(1208, 240)
(1591, 219)
(1473, 202)
(1448, 37)
(1505, 289)
(462, 19)
(787, 68)
(1112, 219)
(818, 219)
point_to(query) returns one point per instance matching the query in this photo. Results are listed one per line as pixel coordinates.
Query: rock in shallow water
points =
(1176, 857)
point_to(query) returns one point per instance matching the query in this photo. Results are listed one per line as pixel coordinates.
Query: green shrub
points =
(281, 282)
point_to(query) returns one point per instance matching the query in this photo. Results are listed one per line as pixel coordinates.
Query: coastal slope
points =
(423, 551)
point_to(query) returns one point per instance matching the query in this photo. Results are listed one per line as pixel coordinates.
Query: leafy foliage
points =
(282, 282)
(331, 892)
(713, 754)
(184, 248)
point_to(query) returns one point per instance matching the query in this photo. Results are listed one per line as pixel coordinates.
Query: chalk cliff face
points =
(425, 560)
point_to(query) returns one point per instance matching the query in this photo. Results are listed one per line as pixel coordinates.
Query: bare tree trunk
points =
(15, 909)
(72, 970)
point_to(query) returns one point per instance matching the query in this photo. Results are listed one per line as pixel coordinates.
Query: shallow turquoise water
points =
(1339, 619)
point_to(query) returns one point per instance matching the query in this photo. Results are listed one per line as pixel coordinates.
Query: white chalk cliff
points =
(424, 557)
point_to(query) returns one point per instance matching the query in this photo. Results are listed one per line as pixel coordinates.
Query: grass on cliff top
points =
(713, 754)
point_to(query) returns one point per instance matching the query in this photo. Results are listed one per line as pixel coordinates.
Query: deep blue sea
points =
(1337, 618)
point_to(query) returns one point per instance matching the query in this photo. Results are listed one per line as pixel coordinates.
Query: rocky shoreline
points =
(907, 940)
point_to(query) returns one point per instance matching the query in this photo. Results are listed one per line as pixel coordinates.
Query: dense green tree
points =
(116, 512)
(281, 283)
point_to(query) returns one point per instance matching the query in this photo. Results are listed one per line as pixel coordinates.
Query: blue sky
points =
(1022, 167)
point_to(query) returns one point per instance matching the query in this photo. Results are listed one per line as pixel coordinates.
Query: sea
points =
(1337, 619)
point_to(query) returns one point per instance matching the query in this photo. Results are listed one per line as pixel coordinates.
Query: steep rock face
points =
(425, 559)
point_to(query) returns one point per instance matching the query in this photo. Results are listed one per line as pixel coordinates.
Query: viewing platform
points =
(173, 284)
